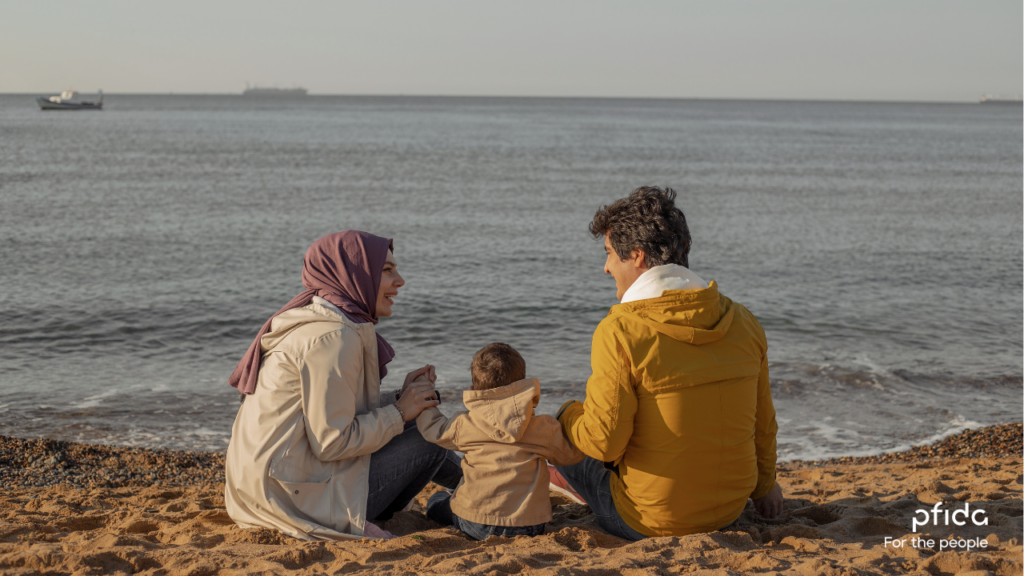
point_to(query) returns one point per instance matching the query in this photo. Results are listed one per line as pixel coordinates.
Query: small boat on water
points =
(69, 100)
(989, 99)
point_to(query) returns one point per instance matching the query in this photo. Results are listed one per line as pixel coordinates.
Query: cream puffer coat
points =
(299, 455)
(505, 473)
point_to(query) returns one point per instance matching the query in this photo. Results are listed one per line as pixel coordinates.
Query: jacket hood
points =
(691, 316)
(285, 322)
(504, 413)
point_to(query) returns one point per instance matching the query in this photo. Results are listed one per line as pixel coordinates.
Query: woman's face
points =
(390, 282)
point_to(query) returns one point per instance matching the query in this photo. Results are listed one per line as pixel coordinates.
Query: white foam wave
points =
(96, 400)
(823, 441)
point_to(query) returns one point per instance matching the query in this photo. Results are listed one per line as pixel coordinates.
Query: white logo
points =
(963, 516)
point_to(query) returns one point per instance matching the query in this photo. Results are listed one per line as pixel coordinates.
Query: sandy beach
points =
(84, 509)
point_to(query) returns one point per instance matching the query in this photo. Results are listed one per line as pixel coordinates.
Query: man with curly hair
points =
(678, 424)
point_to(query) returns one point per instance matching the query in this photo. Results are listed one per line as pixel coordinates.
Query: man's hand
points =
(419, 396)
(770, 505)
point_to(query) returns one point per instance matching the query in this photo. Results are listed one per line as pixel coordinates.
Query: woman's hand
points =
(426, 372)
(416, 397)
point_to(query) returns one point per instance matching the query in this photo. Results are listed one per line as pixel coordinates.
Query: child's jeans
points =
(439, 510)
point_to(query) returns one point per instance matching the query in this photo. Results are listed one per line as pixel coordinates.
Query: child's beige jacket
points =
(505, 480)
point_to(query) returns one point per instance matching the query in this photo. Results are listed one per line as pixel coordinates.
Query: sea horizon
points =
(1001, 99)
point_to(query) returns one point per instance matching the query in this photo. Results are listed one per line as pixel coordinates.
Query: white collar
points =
(652, 283)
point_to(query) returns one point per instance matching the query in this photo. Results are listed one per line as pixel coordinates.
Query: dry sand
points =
(835, 522)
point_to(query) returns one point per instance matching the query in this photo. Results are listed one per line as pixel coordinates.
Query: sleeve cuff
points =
(568, 414)
(762, 490)
(395, 421)
(561, 410)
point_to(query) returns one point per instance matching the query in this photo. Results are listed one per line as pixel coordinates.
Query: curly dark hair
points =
(649, 220)
(496, 365)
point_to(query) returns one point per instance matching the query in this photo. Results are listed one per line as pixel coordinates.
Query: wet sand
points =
(81, 509)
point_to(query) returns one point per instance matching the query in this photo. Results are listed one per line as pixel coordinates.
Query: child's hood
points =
(504, 413)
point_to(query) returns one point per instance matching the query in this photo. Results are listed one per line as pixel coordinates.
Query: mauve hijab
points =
(343, 268)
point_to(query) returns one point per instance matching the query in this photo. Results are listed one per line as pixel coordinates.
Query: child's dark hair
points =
(496, 365)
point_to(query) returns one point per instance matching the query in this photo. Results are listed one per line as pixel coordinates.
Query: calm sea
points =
(142, 247)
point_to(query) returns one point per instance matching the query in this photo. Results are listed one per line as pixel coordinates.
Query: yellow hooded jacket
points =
(680, 409)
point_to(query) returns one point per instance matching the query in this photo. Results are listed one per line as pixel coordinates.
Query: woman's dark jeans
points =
(592, 481)
(439, 509)
(400, 469)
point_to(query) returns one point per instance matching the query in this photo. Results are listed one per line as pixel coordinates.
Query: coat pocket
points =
(310, 499)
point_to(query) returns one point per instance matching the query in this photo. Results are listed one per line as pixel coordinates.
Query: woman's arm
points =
(330, 375)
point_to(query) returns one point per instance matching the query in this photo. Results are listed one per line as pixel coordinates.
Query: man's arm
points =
(765, 429)
(601, 426)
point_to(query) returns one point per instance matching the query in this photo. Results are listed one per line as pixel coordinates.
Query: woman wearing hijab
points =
(316, 450)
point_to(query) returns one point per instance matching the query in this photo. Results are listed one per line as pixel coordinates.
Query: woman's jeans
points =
(400, 469)
(439, 509)
(592, 481)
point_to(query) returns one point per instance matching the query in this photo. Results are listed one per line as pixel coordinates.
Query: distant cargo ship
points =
(278, 92)
(988, 99)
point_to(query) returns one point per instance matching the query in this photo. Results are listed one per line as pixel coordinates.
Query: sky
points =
(931, 50)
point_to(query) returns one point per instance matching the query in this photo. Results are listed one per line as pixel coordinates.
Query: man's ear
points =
(639, 259)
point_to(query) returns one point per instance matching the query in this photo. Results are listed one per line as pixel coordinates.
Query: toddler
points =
(504, 490)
